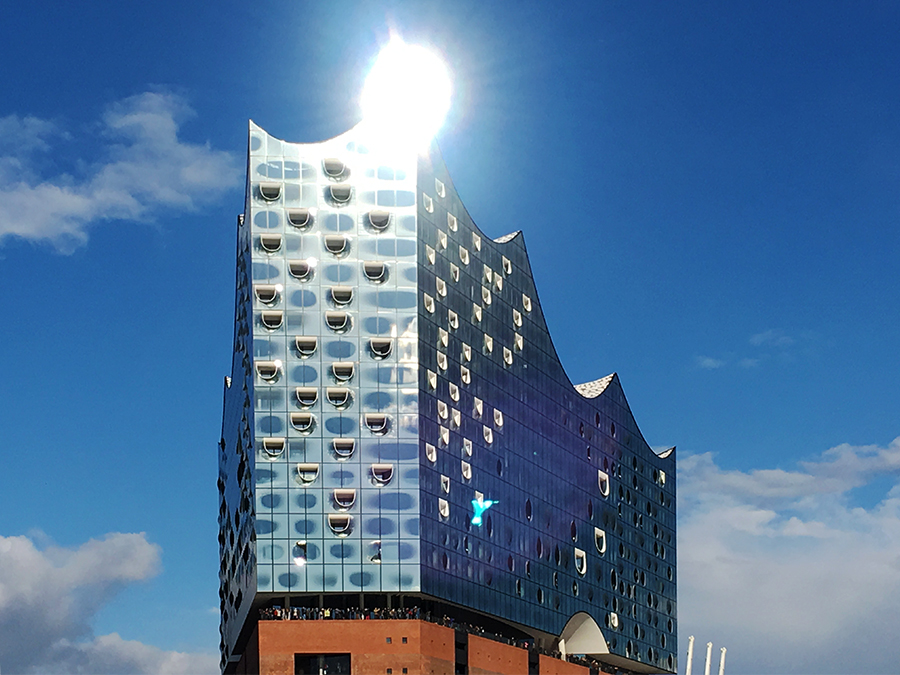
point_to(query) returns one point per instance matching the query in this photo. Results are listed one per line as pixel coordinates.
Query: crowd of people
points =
(355, 613)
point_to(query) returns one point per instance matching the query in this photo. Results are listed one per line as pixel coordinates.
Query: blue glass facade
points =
(392, 374)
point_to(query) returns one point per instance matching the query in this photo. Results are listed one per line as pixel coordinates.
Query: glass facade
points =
(393, 378)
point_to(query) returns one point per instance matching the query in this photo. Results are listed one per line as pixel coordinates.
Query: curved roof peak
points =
(595, 388)
(508, 237)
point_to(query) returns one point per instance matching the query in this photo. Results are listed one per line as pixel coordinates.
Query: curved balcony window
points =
(430, 453)
(477, 312)
(306, 345)
(381, 347)
(340, 193)
(467, 447)
(267, 293)
(488, 274)
(382, 474)
(580, 561)
(344, 498)
(379, 219)
(454, 391)
(466, 470)
(444, 435)
(339, 322)
(273, 447)
(465, 375)
(441, 287)
(443, 508)
(343, 447)
(430, 254)
(270, 191)
(526, 303)
(600, 540)
(299, 217)
(268, 370)
(339, 397)
(429, 303)
(443, 410)
(613, 620)
(455, 418)
(341, 295)
(300, 269)
(477, 408)
(377, 423)
(507, 266)
(486, 296)
(334, 168)
(467, 352)
(271, 320)
(439, 189)
(498, 282)
(342, 372)
(488, 344)
(427, 203)
(603, 482)
(517, 318)
(488, 435)
(442, 360)
(442, 239)
(307, 473)
(445, 484)
(463, 256)
(518, 341)
(375, 270)
(340, 523)
(443, 337)
(476, 242)
(270, 242)
(431, 377)
(507, 356)
(452, 223)
(335, 243)
(498, 418)
(454, 272)
(303, 422)
(307, 396)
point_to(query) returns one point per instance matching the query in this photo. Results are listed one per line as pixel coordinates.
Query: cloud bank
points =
(784, 568)
(48, 598)
(143, 169)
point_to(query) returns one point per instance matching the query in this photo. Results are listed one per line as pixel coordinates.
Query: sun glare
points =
(406, 96)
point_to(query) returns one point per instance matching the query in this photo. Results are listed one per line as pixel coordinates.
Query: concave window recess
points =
(270, 242)
(375, 270)
(270, 192)
(301, 218)
(306, 345)
(343, 447)
(382, 474)
(379, 219)
(303, 422)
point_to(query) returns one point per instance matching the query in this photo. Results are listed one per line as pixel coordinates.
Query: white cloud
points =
(772, 338)
(145, 168)
(48, 597)
(709, 363)
(783, 569)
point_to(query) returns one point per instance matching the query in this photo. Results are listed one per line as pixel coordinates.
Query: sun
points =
(406, 96)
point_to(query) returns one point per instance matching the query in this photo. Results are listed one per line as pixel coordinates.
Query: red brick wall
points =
(429, 649)
(487, 657)
(551, 666)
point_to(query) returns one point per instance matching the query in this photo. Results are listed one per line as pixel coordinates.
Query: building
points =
(401, 441)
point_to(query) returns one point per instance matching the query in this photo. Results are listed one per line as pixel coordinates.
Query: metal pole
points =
(690, 656)
(722, 662)
(708, 657)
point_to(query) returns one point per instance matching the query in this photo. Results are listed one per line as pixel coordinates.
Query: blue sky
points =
(710, 195)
